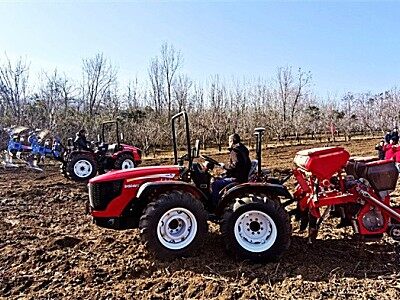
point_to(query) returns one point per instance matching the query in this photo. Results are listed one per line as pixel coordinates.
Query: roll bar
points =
(174, 139)
(116, 128)
(259, 132)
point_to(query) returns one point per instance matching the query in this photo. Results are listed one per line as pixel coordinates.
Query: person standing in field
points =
(389, 150)
(395, 136)
(388, 137)
(379, 148)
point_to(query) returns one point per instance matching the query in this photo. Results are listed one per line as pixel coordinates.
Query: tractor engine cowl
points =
(111, 194)
(102, 193)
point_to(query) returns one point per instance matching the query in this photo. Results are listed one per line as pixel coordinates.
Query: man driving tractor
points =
(81, 141)
(238, 168)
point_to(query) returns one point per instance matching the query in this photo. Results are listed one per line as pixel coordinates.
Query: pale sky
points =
(347, 46)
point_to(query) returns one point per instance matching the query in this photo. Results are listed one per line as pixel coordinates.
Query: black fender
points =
(256, 188)
(123, 151)
(163, 186)
(133, 211)
(77, 152)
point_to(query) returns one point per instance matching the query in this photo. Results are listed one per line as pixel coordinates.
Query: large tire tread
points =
(153, 212)
(284, 230)
(120, 159)
(70, 167)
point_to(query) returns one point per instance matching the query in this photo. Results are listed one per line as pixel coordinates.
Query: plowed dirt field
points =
(49, 249)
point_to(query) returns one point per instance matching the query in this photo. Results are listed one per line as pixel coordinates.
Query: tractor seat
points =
(356, 168)
(103, 147)
(112, 148)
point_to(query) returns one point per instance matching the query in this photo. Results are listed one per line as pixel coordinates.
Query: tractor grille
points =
(102, 193)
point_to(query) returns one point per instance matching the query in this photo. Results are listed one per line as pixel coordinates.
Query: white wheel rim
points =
(255, 231)
(83, 168)
(177, 228)
(128, 164)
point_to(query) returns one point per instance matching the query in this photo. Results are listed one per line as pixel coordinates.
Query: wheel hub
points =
(255, 226)
(127, 164)
(83, 168)
(255, 231)
(177, 228)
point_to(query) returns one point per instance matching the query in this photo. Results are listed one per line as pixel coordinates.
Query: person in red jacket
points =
(392, 151)
(396, 153)
(388, 149)
(396, 156)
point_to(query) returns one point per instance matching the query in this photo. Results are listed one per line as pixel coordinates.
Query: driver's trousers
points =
(217, 187)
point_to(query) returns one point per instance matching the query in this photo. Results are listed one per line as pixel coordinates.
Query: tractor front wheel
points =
(124, 162)
(258, 231)
(173, 225)
(81, 167)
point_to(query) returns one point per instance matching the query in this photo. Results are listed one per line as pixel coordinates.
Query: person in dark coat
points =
(388, 137)
(395, 136)
(379, 148)
(81, 141)
(238, 168)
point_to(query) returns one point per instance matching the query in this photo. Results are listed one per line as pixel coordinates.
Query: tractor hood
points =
(139, 173)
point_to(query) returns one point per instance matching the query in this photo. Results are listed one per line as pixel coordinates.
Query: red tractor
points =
(81, 165)
(171, 205)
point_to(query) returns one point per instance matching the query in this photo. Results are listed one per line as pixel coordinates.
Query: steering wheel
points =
(209, 159)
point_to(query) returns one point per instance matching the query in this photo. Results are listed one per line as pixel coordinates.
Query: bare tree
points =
(217, 119)
(171, 61)
(350, 117)
(134, 95)
(157, 83)
(50, 98)
(13, 87)
(99, 76)
(181, 91)
(290, 91)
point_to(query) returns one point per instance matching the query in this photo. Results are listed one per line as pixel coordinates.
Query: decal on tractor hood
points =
(131, 186)
(169, 176)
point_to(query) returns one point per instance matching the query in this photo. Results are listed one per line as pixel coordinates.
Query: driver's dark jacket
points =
(81, 142)
(239, 163)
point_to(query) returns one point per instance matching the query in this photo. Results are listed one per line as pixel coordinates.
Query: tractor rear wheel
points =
(173, 225)
(256, 230)
(124, 161)
(81, 167)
